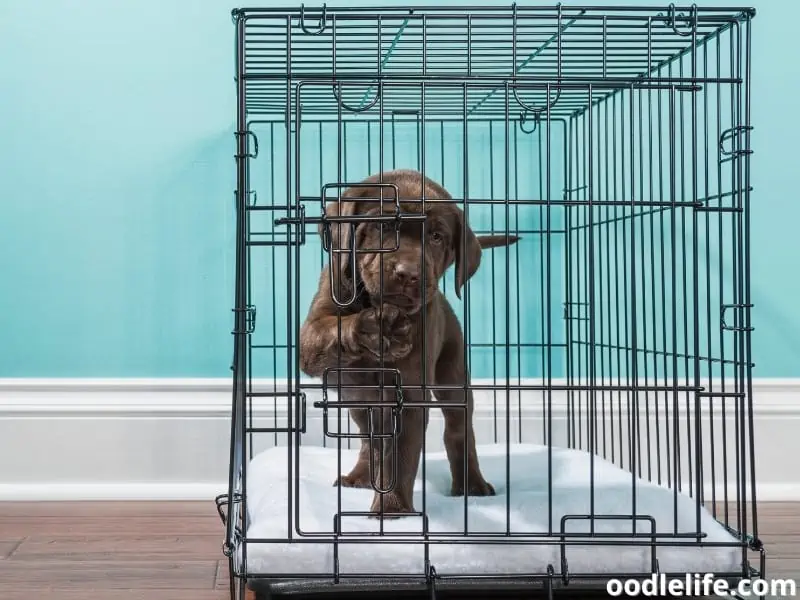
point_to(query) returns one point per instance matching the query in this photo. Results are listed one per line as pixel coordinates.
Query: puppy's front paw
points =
(360, 480)
(385, 332)
(389, 506)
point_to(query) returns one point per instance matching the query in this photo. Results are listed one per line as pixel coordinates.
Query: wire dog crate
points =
(608, 349)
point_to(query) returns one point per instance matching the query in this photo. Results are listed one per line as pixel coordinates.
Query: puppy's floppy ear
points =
(340, 239)
(467, 251)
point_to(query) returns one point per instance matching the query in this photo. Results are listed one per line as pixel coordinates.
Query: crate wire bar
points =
(616, 142)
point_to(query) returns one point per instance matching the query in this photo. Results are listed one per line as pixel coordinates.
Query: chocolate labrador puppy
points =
(378, 313)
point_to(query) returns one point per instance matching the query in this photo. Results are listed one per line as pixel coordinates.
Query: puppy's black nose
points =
(406, 274)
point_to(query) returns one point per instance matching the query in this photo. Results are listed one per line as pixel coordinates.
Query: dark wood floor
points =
(172, 550)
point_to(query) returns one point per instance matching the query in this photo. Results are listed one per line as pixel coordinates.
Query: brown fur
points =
(391, 335)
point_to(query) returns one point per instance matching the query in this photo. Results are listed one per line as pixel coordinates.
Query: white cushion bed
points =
(268, 507)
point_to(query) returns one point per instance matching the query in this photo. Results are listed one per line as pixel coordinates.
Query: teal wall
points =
(117, 179)
(494, 307)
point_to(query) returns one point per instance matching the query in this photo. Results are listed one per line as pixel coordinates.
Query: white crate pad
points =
(268, 505)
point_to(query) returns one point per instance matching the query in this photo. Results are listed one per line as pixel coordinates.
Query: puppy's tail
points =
(493, 241)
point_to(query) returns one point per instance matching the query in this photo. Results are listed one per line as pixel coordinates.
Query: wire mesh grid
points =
(615, 142)
(354, 50)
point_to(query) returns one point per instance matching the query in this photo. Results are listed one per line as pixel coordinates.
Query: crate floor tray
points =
(522, 505)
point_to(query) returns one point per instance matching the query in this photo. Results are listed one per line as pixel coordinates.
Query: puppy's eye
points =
(436, 237)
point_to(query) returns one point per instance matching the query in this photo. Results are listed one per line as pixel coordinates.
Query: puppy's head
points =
(401, 262)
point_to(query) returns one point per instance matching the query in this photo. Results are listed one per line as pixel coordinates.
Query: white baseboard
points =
(77, 439)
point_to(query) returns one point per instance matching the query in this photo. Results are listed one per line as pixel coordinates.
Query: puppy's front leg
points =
(459, 434)
(361, 475)
(400, 457)
(329, 335)
(325, 343)
(459, 439)
(361, 339)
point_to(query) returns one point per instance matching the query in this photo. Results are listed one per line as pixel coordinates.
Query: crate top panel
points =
(555, 60)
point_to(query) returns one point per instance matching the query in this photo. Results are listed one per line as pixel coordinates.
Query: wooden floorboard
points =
(109, 509)
(109, 574)
(19, 527)
(35, 593)
(8, 546)
(131, 548)
(784, 546)
(172, 550)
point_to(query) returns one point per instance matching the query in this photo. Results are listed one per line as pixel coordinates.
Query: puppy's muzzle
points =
(402, 286)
